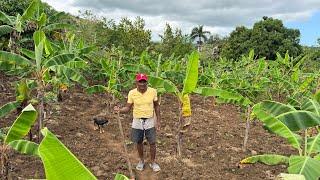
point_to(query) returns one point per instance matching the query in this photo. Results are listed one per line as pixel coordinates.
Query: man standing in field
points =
(144, 101)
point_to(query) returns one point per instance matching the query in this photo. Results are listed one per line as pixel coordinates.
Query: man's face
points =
(142, 85)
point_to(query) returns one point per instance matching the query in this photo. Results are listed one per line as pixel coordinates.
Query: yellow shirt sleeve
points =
(130, 100)
(155, 95)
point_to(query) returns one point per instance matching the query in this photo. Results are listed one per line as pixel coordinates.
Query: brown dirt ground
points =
(211, 146)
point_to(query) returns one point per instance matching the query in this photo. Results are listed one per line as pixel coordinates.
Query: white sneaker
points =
(140, 166)
(155, 167)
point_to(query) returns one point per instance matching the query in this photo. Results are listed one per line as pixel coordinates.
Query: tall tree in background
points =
(174, 42)
(198, 32)
(267, 37)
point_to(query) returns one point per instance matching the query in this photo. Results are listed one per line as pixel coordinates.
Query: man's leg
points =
(151, 136)
(153, 152)
(140, 151)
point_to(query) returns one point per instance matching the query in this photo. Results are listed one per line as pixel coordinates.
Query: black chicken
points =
(99, 124)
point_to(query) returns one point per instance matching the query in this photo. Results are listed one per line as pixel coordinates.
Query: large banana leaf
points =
(120, 177)
(312, 106)
(14, 59)
(284, 176)
(224, 96)
(58, 161)
(96, 89)
(5, 29)
(59, 60)
(305, 165)
(30, 11)
(298, 120)
(269, 159)
(42, 20)
(276, 125)
(79, 64)
(7, 108)
(5, 18)
(190, 81)
(22, 124)
(170, 87)
(68, 73)
(25, 147)
(314, 144)
(155, 82)
(28, 53)
(294, 119)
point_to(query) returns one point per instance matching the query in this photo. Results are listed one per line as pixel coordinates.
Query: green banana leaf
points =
(312, 106)
(5, 18)
(313, 145)
(25, 147)
(224, 96)
(306, 166)
(28, 53)
(285, 176)
(5, 29)
(191, 78)
(38, 54)
(299, 120)
(58, 161)
(31, 10)
(22, 124)
(294, 119)
(268, 159)
(275, 125)
(170, 87)
(59, 60)
(155, 82)
(96, 89)
(68, 73)
(79, 64)
(120, 177)
(7, 108)
(14, 59)
(42, 20)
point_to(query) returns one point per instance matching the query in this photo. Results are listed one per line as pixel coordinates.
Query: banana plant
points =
(230, 97)
(190, 83)
(286, 121)
(40, 67)
(59, 162)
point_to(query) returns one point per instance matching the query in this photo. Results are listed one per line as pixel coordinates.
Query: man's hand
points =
(158, 125)
(116, 109)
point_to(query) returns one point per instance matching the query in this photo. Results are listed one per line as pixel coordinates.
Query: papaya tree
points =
(287, 121)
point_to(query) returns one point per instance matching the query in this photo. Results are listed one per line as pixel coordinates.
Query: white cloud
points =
(218, 16)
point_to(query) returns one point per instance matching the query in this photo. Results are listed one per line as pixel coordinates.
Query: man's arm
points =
(124, 109)
(157, 110)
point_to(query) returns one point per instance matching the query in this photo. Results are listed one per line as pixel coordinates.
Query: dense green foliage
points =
(267, 37)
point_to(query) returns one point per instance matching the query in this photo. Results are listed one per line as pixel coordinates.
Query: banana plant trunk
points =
(40, 96)
(246, 135)
(179, 134)
(4, 162)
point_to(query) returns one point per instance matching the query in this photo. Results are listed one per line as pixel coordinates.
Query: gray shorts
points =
(138, 135)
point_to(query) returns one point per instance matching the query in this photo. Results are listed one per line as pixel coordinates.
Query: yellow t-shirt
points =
(142, 103)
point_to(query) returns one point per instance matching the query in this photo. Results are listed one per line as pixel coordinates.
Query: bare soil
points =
(211, 146)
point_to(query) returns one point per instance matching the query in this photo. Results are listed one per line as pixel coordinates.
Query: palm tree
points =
(198, 32)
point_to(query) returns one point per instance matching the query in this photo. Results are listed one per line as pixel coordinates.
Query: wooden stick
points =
(125, 147)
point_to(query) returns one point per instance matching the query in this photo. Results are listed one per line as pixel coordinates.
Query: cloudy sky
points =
(217, 16)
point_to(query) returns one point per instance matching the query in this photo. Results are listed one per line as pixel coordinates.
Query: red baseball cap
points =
(141, 76)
